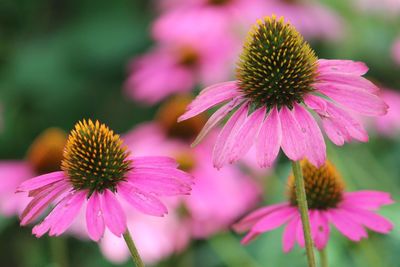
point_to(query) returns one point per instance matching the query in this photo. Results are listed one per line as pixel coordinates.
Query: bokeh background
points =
(61, 61)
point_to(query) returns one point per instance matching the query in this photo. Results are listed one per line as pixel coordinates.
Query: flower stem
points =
(323, 257)
(132, 249)
(303, 209)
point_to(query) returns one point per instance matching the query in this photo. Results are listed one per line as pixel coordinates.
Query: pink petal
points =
(319, 228)
(269, 139)
(300, 232)
(316, 149)
(162, 173)
(113, 214)
(370, 220)
(153, 162)
(216, 118)
(210, 97)
(353, 98)
(293, 139)
(246, 135)
(41, 181)
(141, 200)
(225, 137)
(161, 185)
(366, 199)
(41, 201)
(94, 217)
(342, 66)
(350, 80)
(251, 219)
(289, 234)
(349, 228)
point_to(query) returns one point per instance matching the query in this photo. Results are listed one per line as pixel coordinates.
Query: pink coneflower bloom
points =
(349, 212)
(311, 19)
(396, 51)
(187, 53)
(279, 79)
(43, 156)
(98, 172)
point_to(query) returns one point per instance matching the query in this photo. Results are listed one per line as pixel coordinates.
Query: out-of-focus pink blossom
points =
(387, 7)
(396, 51)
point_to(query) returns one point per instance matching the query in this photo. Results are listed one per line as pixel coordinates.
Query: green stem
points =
(323, 256)
(132, 249)
(303, 209)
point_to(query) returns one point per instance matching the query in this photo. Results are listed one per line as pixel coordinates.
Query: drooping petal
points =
(41, 181)
(161, 185)
(353, 98)
(371, 200)
(94, 217)
(154, 162)
(316, 149)
(41, 201)
(300, 233)
(348, 80)
(293, 140)
(348, 227)
(225, 136)
(113, 214)
(370, 220)
(251, 219)
(342, 66)
(246, 135)
(210, 97)
(216, 118)
(141, 200)
(289, 234)
(269, 139)
(161, 173)
(319, 228)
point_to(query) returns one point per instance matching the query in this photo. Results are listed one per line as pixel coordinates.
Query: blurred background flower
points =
(122, 62)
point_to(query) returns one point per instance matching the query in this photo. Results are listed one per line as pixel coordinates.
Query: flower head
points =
(98, 172)
(279, 79)
(349, 212)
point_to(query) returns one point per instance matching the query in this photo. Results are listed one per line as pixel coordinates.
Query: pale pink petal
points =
(366, 199)
(348, 227)
(216, 118)
(251, 219)
(316, 149)
(289, 234)
(350, 80)
(141, 201)
(269, 139)
(246, 135)
(153, 162)
(94, 217)
(210, 97)
(342, 66)
(293, 138)
(42, 200)
(41, 181)
(369, 219)
(113, 214)
(319, 228)
(353, 98)
(224, 140)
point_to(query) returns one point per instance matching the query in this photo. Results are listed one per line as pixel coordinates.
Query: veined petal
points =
(161, 185)
(349, 80)
(289, 234)
(246, 135)
(300, 232)
(41, 181)
(153, 162)
(293, 139)
(370, 200)
(94, 217)
(141, 200)
(348, 227)
(113, 214)
(316, 149)
(210, 97)
(369, 219)
(353, 98)
(225, 137)
(216, 118)
(342, 66)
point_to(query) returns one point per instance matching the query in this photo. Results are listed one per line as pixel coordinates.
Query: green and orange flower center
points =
(46, 152)
(169, 113)
(188, 56)
(324, 186)
(218, 2)
(94, 157)
(276, 67)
